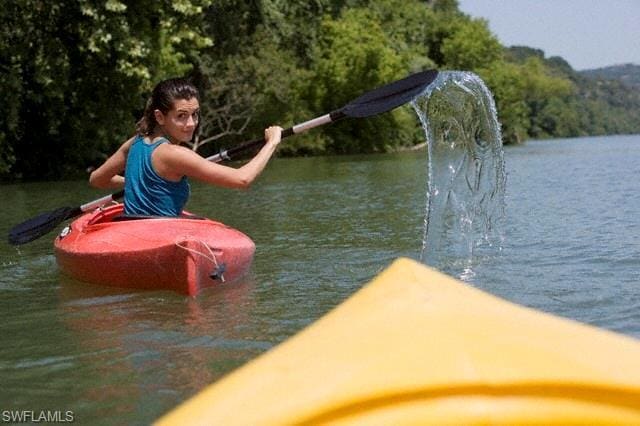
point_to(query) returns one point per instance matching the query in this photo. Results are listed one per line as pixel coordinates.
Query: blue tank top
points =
(147, 193)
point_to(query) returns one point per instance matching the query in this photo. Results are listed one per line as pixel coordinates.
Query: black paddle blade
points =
(40, 225)
(390, 96)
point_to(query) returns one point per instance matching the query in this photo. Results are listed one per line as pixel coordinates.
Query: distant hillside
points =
(628, 74)
(604, 101)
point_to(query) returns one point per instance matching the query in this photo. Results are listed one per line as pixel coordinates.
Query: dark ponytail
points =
(162, 98)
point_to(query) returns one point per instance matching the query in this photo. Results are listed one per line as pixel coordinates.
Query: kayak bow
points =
(418, 347)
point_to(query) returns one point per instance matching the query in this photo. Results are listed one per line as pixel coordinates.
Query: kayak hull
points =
(418, 347)
(179, 254)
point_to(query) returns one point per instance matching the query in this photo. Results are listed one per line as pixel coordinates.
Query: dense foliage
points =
(588, 105)
(75, 74)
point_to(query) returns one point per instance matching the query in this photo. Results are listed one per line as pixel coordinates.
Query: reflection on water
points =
(466, 177)
(148, 348)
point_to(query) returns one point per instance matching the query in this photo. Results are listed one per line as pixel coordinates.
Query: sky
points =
(586, 33)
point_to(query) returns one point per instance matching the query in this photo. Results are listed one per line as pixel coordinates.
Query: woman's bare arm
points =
(174, 162)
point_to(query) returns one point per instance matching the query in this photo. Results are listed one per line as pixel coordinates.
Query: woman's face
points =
(181, 121)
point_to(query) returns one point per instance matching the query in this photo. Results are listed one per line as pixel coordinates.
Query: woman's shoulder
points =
(173, 151)
(173, 161)
(180, 159)
(127, 144)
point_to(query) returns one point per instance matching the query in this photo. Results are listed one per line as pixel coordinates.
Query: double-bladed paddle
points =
(375, 102)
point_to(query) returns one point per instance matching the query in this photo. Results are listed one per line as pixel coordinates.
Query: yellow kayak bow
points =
(418, 347)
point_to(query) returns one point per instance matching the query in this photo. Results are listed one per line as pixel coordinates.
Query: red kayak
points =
(183, 254)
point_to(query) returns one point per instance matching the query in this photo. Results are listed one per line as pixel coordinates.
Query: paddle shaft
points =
(92, 205)
(230, 154)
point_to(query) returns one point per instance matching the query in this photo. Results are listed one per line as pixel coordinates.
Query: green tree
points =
(470, 45)
(406, 25)
(540, 87)
(257, 86)
(523, 93)
(77, 72)
(353, 55)
(508, 87)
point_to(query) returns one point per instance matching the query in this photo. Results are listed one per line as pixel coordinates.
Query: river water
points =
(323, 227)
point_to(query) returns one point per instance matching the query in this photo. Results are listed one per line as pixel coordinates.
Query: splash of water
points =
(466, 176)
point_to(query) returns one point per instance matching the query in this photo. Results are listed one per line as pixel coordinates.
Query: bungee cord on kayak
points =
(218, 271)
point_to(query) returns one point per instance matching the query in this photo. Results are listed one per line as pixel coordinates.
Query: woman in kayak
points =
(156, 166)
